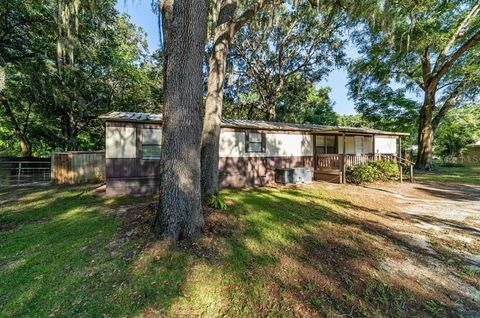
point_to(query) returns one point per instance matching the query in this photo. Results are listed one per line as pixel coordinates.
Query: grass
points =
(467, 175)
(274, 252)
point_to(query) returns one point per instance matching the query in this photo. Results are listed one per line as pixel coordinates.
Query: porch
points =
(335, 153)
(332, 167)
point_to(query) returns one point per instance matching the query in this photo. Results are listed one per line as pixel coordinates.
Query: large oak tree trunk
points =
(179, 213)
(425, 133)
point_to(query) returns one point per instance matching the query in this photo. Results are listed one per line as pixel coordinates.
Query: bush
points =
(376, 170)
(362, 174)
(218, 202)
(387, 169)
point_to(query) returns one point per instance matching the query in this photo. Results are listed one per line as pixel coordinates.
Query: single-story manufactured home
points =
(250, 151)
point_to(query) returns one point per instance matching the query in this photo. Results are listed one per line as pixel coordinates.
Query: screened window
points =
(255, 142)
(326, 144)
(151, 152)
(151, 144)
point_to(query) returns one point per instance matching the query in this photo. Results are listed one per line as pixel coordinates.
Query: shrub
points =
(387, 169)
(218, 202)
(372, 171)
(362, 174)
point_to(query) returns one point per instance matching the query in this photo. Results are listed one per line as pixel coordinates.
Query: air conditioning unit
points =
(293, 175)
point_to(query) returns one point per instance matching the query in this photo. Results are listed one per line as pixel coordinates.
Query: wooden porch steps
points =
(329, 175)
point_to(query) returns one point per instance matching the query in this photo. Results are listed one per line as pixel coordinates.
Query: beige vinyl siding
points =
(386, 144)
(232, 144)
(120, 142)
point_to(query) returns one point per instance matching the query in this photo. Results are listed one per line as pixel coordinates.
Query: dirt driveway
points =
(439, 226)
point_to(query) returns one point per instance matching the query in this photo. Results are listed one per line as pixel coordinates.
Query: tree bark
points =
(179, 214)
(271, 112)
(214, 100)
(225, 29)
(425, 132)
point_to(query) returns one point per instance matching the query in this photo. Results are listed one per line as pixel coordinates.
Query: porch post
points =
(373, 148)
(400, 147)
(400, 158)
(344, 171)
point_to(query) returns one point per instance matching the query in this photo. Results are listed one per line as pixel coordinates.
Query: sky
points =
(142, 15)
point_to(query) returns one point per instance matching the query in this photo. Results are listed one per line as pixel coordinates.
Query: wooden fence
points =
(74, 167)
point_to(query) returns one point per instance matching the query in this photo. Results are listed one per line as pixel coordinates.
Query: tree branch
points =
(247, 15)
(465, 22)
(449, 103)
(454, 57)
(411, 74)
(426, 73)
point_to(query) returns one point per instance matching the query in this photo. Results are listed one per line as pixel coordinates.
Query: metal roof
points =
(252, 124)
(131, 117)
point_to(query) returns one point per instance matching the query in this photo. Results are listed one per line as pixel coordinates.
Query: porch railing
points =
(336, 161)
(353, 160)
(328, 161)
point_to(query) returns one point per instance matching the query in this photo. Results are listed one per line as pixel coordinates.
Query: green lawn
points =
(468, 175)
(275, 252)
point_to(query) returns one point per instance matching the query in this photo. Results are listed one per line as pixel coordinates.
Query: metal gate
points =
(15, 173)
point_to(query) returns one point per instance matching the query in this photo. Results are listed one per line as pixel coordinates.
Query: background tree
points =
(429, 47)
(53, 95)
(459, 128)
(299, 102)
(272, 58)
(229, 17)
(388, 109)
(179, 213)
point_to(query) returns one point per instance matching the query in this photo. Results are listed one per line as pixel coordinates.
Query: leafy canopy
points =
(64, 68)
(420, 46)
(276, 61)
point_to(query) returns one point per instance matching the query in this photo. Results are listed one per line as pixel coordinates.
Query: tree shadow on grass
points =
(275, 252)
(63, 257)
(329, 262)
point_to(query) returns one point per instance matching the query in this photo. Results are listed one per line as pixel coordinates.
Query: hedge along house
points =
(250, 151)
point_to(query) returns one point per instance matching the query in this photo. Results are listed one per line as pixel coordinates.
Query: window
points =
(151, 152)
(326, 144)
(255, 142)
(151, 144)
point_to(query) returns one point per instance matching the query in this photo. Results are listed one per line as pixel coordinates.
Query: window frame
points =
(325, 146)
(262, 142)
(149, 144)
(155, 145)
